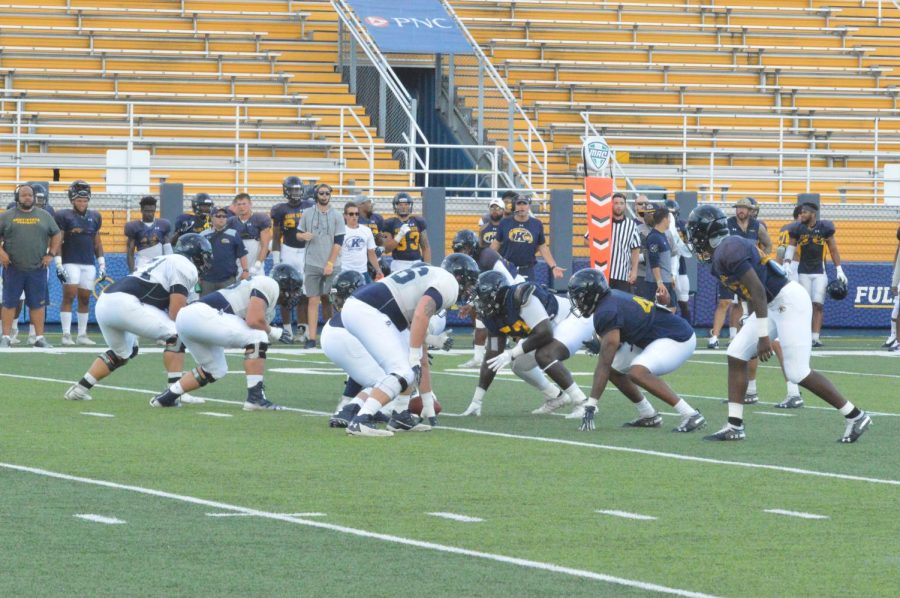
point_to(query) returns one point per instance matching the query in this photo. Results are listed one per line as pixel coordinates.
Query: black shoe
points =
(856, 427)
(403, 421)
(342, 418)
(728, 433)
(165, 399)
(651, 421)
(310, 344)
(257, 401)
(794, 402)
(817, 344)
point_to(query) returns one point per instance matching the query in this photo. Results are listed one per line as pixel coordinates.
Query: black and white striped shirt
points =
(624, 238)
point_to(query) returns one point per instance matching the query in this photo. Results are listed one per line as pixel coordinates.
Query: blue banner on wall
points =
(411, 26)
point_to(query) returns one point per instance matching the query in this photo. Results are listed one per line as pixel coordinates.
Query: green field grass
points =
(277, 503)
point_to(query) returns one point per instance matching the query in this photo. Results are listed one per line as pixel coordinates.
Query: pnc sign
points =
(411, 26)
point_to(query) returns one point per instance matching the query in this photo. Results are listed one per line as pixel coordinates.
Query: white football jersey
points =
(169, 271)
(409, 286)
(238, 295)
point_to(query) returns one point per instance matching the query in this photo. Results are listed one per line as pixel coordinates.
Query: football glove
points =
(402, 232)
(841, 276)
(587, 420)
(60, 271)
(592, 346)
(443, 340)
(497, 362)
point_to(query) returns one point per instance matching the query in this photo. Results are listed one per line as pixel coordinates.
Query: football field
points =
(113, 497)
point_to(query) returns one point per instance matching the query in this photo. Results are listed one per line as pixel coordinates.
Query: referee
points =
(625, 247)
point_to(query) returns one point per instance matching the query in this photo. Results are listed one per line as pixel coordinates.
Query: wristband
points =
(839, 270)
(762, 327)
(329, 263)
(592, 402)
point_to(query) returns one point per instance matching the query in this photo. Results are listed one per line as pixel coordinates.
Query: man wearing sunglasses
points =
(228, 251)
(322, 228)
(359, 245)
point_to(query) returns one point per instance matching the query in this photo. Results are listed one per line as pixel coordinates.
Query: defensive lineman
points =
(235, 317)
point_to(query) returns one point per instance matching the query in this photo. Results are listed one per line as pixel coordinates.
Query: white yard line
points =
(775, 413)
(253, 515)
(100, 519)
(498, 558)
(95, 414)
(627, 515)
(457, 517)
(799, 514)
(214, 414)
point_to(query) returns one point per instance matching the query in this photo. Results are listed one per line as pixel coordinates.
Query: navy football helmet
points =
(79, 188)
(404, 200)
(201, 201)
(465, 270)
(465, 241)
(197, 249)
(345, 284)
(290, 284)
(673, 207)
(490, 292)
(587, 288)
(837, 289)
(293, 190)
(706, 227)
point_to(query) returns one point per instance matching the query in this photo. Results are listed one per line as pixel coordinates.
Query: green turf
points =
(536, 482)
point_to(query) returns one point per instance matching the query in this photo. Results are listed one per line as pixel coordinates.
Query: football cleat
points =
(712, 344)
(309, 344)
(84, 340)
(895, 347)
(381, 417)
(257, 401)
(302, 334)
(165, 399)
(472, 363)
(67, 341)
(287, 337)
(794, 402)
(13, 340)
(192, 400)
(77, 392)
(728, 433)
(889, 342)
(41, 343)
(817, 343)
(551, 405)
(750, 399)
(692, 422)
(31, 339)
(5, 342)
(577, 411)
(344, 416)
(364, 425)
(474, 408)
(856, 427)
(403, 421)
(651, 421)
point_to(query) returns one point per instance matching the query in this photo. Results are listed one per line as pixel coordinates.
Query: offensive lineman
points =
(234, 317)
(146, 303)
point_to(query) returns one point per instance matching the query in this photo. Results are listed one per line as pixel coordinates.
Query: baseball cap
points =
(743, 203)
(497, 202)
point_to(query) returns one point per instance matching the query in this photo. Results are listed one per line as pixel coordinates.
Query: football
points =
(415, 406)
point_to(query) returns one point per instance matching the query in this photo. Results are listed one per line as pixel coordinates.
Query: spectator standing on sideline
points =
(81, 243)
(368, 217)
(487, 225)
(41, 200)
(148, 237)
(289, 249)
(625, 247)
(228, 250)
(255, 230)
(520, 236)
(323, 230)
(359, 245)
(405, 236)
(29, 240)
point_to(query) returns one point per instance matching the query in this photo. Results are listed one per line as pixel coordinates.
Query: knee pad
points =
(392, 385)
(256, 351)
(203, 377)
(174, 345)
(113, 361)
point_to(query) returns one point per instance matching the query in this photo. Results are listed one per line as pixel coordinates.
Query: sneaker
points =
(192, 400)
(472, 363)
(67, 341)
(83, 339)
(551, 405)
(817, 344)
(342, 418)
(689, 423)
(856, 427)
(257, 401)
(895, 347)
(750, 399)
(166, 398)
(727, 433)
(651, 421)
(364, 425)
(381, 417)
(77, 392)
(5, 342)
(41, 343)
(286, 338)
(712, 344)
(403, 421)
(794, 402)
(473, 409)
(577, 411)
(13, 340)
(301, 336)
(889, 342)
(310, 344)
(31, 339)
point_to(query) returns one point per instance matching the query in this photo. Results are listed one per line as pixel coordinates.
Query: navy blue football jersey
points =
(145, 236)
(251, 229)
(79, 232)
(811, 245)
(375, 222)
(191, 223)
(509, 321)
(288, 218)
(735, 255)
(751, 233)
(410, 246)
(638, 320)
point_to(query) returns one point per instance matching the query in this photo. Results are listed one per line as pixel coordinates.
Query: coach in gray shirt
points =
(322, 227)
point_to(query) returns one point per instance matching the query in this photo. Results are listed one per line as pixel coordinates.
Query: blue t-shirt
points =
(410, 247)
(734, 256)
(811, 245)
(288, 218)
(509, 321)
(227, 249)
(79, 232)
(145, 236)
(638, 320)
(519, 240)
(487, 258)
(659, 255)
(488, 233)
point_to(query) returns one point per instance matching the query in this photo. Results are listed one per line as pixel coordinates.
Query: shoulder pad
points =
(522, 293)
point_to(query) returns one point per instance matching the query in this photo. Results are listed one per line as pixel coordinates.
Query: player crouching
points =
(231, 318)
